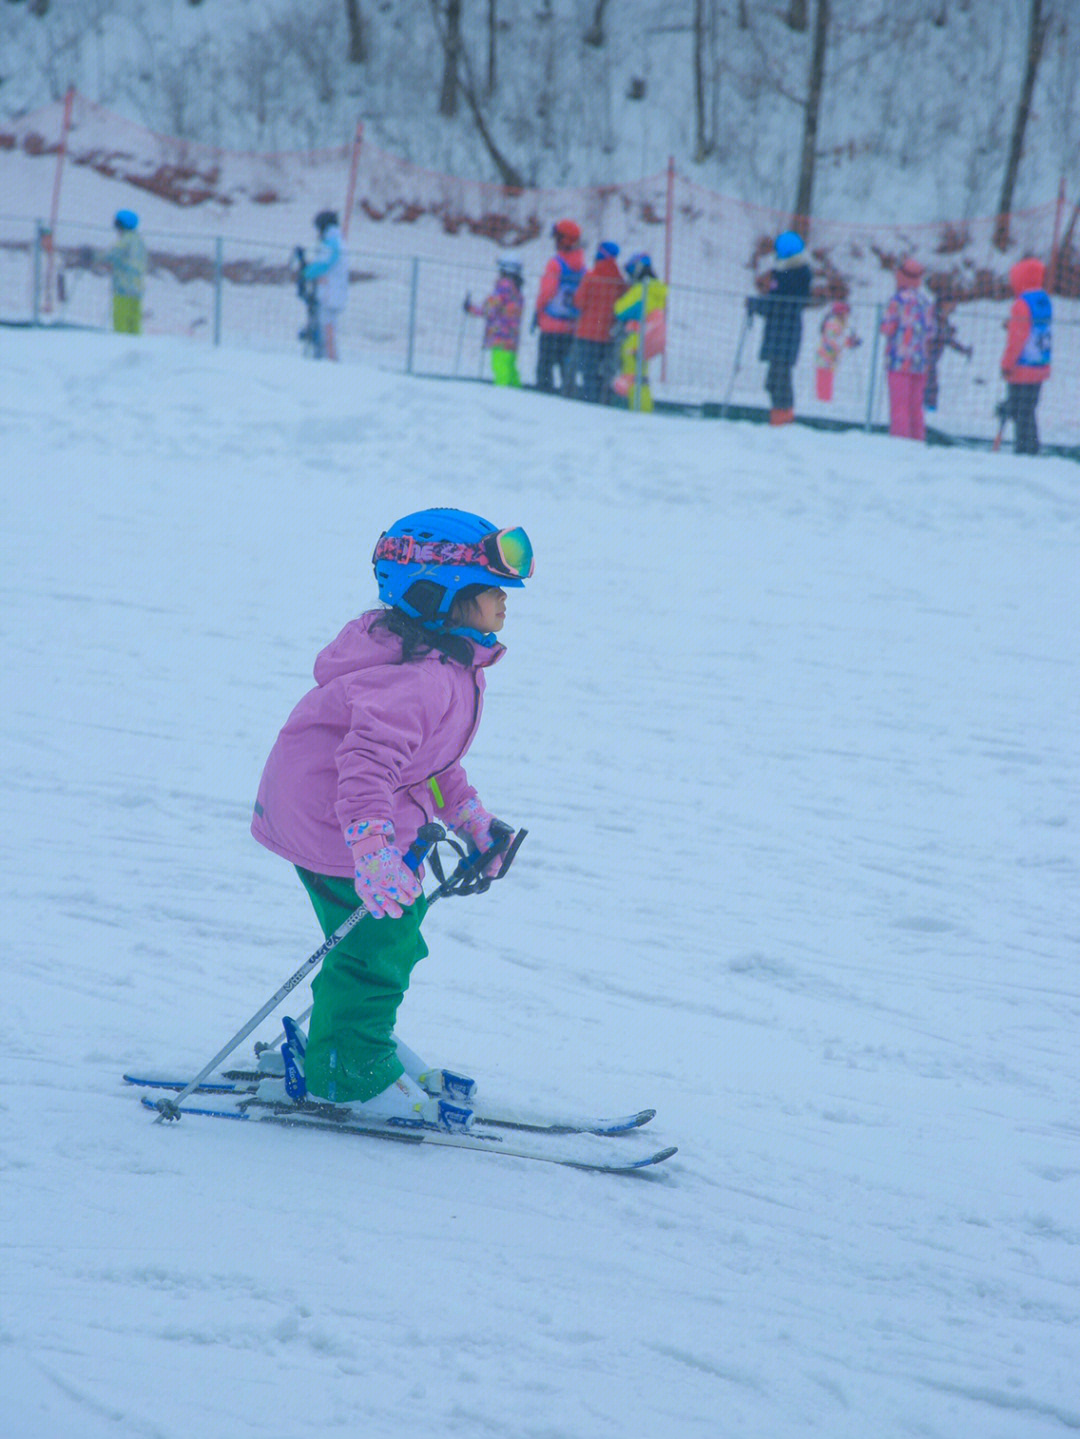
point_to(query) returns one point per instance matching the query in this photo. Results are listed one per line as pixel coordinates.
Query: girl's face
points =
(486, 612)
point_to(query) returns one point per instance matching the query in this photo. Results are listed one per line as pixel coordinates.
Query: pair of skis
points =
(578, 1141)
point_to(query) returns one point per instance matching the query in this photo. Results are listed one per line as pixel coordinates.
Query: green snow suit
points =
(350, 1051)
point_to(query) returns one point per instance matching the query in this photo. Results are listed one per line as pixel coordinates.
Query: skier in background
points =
(556, 311)
(782, 304)
(330, 272)
(591, 355)
(641, 315)
(501, 313)
(368, 756)
(1025, 363)
(127, 260)
(836, 337)
(908, 327)
(943, 338)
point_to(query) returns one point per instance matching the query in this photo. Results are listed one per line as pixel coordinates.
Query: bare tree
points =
(455, 55)
(1038, 24)
(798, 16)
(358, 51)
(451, 38)
(811, 113)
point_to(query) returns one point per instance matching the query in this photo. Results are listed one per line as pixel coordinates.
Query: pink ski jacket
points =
(375, 739)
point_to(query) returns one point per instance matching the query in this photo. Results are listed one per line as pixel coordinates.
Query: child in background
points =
(641, 313)
(944, 338)
(908, 327)
(501, 313)
(835, 339)
(330, 271)
(786, 295)
(368, 756)
(127, 261)
(590, 357)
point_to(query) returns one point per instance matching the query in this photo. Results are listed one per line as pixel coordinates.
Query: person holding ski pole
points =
(1025, 363)
(556, 310)
(366, 758)
(501, 313)
(787, 293)
(330, 272)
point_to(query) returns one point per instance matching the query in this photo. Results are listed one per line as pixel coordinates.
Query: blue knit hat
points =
(607, 250)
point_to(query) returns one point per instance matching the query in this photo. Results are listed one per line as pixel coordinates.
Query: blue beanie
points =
(126, 220)
(607, 249)
(788, 244)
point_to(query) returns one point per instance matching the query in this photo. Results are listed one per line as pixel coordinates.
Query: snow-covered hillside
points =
(917, 105)
(791, 720)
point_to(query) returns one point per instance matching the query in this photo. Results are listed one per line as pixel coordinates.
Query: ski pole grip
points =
(427, 835)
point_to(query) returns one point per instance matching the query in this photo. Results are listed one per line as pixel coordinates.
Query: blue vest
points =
(1036, 349)
(561, 306)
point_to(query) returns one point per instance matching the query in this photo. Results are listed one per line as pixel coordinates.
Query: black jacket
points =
(782, 306)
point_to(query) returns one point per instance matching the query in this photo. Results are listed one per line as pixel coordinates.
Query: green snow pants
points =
(504, 367)
(127, 314)
(350, 1051)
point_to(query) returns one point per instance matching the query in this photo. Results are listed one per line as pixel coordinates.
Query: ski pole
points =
(1002, 411)
(461, 336)
(735, 368)
(170, 1108)
(467, 878)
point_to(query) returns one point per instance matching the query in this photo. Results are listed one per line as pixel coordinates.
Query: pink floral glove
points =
(473, 821)
(384, 882)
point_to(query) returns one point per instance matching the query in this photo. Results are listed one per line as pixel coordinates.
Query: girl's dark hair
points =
(418, 641)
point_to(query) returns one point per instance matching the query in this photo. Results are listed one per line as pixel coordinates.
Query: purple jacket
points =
(365, 744)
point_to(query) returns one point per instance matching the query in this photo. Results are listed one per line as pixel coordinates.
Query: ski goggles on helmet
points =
(505, 554)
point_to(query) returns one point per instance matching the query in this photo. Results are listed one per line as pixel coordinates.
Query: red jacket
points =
(549, 288)
(595, 299)
(1025, 275)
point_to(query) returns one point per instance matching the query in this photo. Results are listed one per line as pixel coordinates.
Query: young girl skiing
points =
(501, 312)
(369, 755)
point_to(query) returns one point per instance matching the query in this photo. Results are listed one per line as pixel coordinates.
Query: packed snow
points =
(791, 720)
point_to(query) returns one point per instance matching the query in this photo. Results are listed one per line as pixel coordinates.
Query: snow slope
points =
(791, 719)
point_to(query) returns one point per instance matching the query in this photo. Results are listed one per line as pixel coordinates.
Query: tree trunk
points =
(703, 145)
(357, 52)
(811, 113)
(798, 16)
(451, 51)
(492, 29)
(1038, 25)
(466, 84)
(594, 35)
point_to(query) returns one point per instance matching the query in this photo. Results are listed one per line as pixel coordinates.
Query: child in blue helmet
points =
(787, 293)
(366, 758)
(127, 261)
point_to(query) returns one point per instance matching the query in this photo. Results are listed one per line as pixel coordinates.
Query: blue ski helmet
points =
(639, 265)
(422, 562)
(788, 244)
(126, 220)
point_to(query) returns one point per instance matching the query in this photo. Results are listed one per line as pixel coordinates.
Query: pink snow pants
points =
(906, 405)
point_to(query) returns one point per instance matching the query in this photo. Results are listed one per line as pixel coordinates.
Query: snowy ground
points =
(791, 718)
